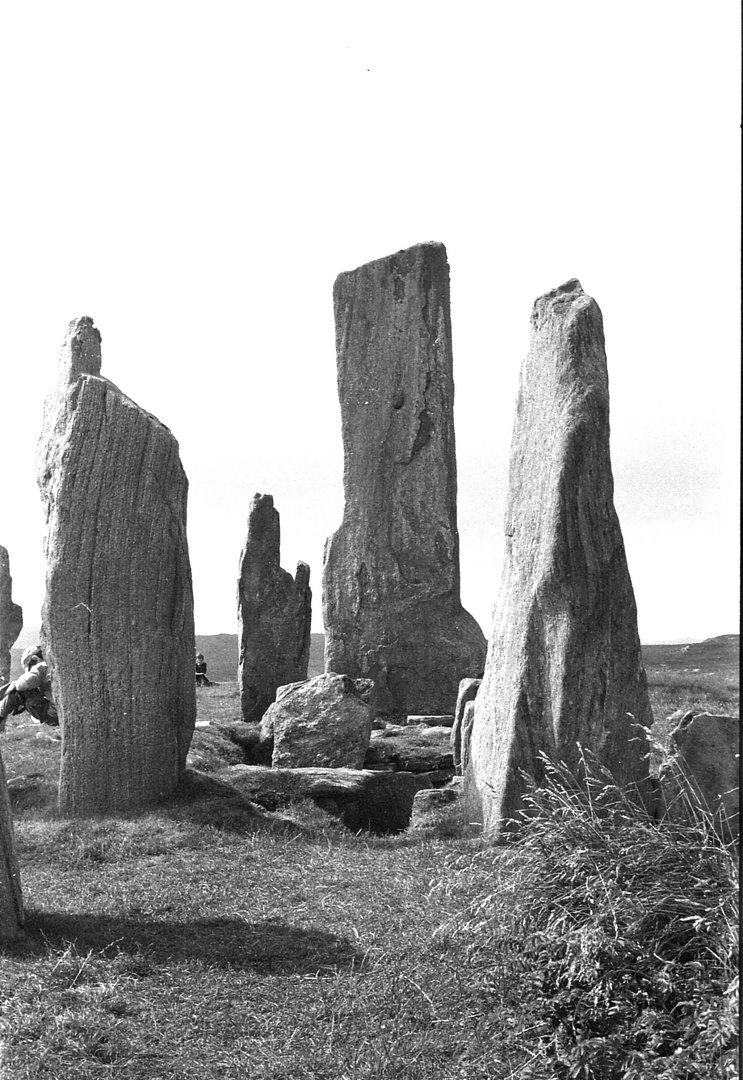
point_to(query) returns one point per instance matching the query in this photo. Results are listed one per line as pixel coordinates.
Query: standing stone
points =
(391, 601)
(117, 622)
(564, 664)
(274, 612)
(11, 898)
(11, 616)
(459, 737)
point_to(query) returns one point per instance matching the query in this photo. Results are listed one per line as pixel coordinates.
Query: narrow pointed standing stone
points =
(11, 616)
(117, 623)
(274, 613)
(391, 601)
(564, 664)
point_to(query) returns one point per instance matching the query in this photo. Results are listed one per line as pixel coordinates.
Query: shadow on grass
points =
(270, 946)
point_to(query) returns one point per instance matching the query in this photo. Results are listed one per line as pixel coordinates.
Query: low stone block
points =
(380, 802)
(706, 750)
(320, 723)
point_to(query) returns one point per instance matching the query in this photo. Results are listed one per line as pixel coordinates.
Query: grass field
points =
(198, 940)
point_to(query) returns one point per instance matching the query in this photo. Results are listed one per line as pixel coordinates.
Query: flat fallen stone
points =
(380, 802)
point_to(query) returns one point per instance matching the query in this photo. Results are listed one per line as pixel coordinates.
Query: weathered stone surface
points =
(11, 616)
(117, 623)
(381, 802)
(468, 722)
(564, 663)
(274, 613)
(391, 601)
(705, 749)
(438, 809)
(212, 749)
(323, 722)
(445, 720)
(467, 692)
(419, 749)
(11, 897)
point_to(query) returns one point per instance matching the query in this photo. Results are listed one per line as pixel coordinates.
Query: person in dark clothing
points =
(201, 679)
(31, 691)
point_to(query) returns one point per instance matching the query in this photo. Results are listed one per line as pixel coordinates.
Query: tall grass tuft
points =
(625, 930)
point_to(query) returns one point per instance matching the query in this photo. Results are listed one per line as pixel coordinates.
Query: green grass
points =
(205, 939)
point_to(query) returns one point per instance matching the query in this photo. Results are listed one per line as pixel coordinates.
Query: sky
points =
(195, 175)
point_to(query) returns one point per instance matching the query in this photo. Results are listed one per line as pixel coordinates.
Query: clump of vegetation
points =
(624, 933)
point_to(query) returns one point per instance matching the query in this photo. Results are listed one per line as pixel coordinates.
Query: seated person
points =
(201, 679)
(31, 691)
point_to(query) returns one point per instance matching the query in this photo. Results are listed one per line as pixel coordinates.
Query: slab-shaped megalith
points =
(391, 599)
(117, 622)
(11, 897)
(274, 612)
(11, 616)
(564, 665)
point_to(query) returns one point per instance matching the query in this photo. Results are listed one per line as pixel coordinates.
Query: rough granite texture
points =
(381, 802)
(391, 601)
(11, 616)
(117, 622)
(274, 612)
(564, 664)
(11, 897)
(320, 723)
(459, 736)
(706, 751)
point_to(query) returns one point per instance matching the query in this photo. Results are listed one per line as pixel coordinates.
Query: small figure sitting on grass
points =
(201, 679)
(31, 691)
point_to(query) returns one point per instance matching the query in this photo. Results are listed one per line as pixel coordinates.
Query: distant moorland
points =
(701, 675)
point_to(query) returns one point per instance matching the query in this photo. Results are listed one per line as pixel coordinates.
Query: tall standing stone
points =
(117, 622)
(11, 897)
(391, 601)
(564, 664)
(274, 613)
(11, 616)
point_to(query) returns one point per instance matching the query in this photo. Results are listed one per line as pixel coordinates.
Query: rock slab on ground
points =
(274, 614)
(705, 750)
(438, 809)
(323, 722)
(564, 663)
(380, 802)
(405, 748)
(117, 622)
(11, 616)
(391, 590)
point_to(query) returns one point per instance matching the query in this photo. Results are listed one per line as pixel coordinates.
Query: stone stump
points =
(459, 736)
(564, 665)
(274, 613)
(391, 599)
(117, 622)
(11, 616)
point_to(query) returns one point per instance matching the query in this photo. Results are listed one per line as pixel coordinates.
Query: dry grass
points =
(203, 939)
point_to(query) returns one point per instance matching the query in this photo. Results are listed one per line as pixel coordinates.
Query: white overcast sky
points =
(194, 176)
